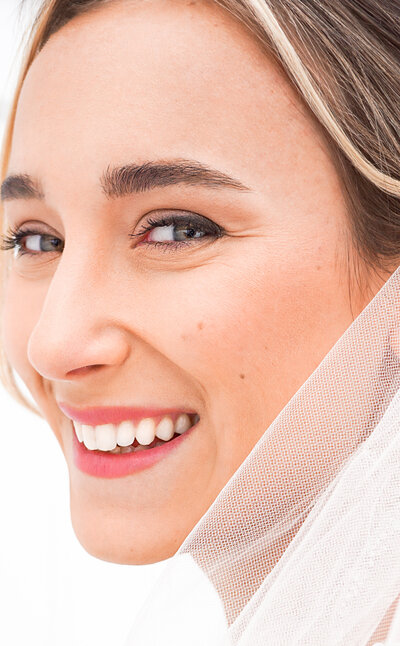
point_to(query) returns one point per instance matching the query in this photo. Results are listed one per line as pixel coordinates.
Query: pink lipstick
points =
(103, 464)
(135, 457)
(116, 414)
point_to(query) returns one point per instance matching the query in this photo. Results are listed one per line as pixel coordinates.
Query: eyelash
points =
(14, 236)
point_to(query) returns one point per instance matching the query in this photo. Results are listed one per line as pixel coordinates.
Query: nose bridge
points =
(73, 329)
(77, 283)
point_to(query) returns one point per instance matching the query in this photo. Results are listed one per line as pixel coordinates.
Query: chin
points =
(118, 540)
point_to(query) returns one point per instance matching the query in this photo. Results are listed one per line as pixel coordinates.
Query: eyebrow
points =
(20, 187)
(119, 181)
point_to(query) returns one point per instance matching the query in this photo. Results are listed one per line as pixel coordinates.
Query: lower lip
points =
(114, 465)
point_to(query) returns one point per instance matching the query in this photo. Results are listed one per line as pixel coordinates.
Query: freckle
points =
(318, 267)
(183, 337)
(241, 375)
(200, 325)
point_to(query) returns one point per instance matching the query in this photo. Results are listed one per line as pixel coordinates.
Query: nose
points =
(78, 330)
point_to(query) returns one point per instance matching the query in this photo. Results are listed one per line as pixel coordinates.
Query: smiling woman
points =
(202, 200)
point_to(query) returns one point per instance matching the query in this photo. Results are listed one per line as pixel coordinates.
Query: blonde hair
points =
(344, 60)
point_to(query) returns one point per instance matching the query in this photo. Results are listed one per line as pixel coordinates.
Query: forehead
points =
(131, 80)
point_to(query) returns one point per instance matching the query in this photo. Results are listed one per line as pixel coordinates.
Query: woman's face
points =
(225, 314)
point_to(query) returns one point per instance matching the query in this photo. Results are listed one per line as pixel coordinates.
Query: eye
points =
(174, 231)
(168, 231)
(36, 242)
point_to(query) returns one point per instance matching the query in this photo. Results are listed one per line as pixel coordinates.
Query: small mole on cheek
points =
(318, 267)
(241, 375)
(200, 325)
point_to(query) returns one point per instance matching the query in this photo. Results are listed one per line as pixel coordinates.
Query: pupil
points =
(185, 232)
(55, 242)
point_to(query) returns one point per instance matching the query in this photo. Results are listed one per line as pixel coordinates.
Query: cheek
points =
(253, 331)
(22, 306)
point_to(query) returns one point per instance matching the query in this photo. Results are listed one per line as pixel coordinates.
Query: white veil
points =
(302, 545)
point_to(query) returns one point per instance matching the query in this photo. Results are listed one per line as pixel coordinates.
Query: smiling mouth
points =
(130, 437)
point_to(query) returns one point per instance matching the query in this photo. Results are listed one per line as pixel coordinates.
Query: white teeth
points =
(78, 430)
(125, 433)
(165, 429)
(89, 437)
(182, 423)
(145, 431)
(106, 437)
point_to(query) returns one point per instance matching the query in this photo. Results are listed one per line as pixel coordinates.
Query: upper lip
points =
(115, 414)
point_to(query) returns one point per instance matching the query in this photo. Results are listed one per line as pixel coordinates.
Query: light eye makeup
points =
(15, 236)
(188, 229)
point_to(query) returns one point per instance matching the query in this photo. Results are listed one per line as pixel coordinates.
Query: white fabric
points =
(302, 545)
(184, 609)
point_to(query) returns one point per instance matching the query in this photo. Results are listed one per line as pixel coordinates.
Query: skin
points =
(230, 327)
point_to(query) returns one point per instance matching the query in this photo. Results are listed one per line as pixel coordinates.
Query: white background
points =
(52, 593)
